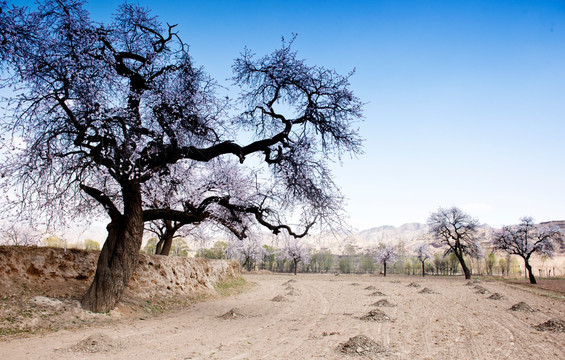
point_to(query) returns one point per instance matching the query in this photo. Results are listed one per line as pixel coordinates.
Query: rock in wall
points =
(57, 272)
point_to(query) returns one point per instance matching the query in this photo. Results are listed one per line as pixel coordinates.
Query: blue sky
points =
(465, 99)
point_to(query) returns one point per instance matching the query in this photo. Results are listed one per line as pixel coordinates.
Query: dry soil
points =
(321, 320)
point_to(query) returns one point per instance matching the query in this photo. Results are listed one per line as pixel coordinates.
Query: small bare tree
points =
(423, 254)
(18, 235)
(386, 254)
(526, 239)
(296, 251)
(456, 230)
(247, 251)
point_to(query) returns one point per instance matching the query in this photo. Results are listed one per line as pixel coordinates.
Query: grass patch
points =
(232, 286)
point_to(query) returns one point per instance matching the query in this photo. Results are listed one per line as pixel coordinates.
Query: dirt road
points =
(432, 318)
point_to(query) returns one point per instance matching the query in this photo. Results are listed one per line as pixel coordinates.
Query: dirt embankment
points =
(38, 284)
(67, 273)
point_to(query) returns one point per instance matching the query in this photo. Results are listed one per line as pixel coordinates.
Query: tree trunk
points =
(167, 242)
(423, 270)
(466, 270)
(295, 266)
(384, 273)
(159, 247)
(119, 255)
(530, 273)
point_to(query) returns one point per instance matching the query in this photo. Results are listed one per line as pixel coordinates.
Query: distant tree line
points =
(367, 262)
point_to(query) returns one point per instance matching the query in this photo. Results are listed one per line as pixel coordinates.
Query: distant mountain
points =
(411, 235)
(558, 223)
(389, 235)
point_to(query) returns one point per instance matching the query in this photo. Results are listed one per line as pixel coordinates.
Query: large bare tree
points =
(102, 110)
(526, 239)
(458, 231)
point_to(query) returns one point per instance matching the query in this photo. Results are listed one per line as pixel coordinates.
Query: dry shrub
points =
(496, 296)
(427, 291)
(481, 290)
(232, 314)
(554, 325)
(376, 315)
(383, 303)
(293, 292)
(522, 306)
(361, 345)
(96, 343)
(414, 285)
(325, 333)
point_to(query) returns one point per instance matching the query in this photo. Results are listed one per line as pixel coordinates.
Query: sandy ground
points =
(320, 312)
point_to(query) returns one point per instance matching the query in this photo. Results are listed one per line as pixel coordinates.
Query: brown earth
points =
(555, 285)
(61, 273)
(40, 287)
(323, 321)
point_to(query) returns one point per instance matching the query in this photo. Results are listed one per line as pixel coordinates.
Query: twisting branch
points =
(103, 199)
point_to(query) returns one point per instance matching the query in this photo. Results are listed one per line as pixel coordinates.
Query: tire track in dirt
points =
(285, 326)
(459, 335)
(315, 308)
(412, 325)
(482, 317)
(454, 323)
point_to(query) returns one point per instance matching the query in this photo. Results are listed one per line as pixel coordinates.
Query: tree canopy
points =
(112, 116)
(386, 254)
(526, 239)
(457, 231)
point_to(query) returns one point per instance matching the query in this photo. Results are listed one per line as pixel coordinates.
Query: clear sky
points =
(465, 99)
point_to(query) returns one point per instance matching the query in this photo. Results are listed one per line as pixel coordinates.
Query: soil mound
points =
(293, 292)
(472, 283)
(289, 282)
(414, 285)
(522, 306)
(496, 296)
(370, 287)
(96, 343)
(361, 345)
(354, 284)
(232, 314)
(481, 290)
(395, 282)
(279, 298)
(427, 291)
(377, 293)
(554, 325)
(383, 303)
(376, 315)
